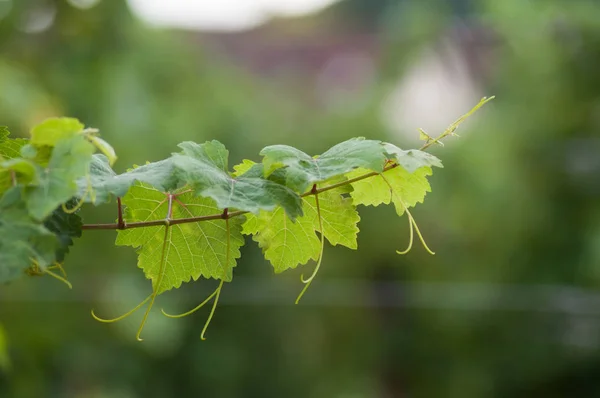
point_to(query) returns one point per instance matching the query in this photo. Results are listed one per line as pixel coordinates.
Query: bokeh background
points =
(508, 307)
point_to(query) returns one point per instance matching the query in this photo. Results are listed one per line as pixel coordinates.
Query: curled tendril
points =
(411, 221)
(190, 312)
(156, 287)
(216, 294)
(411, 238)
(36, 270)
(150, 298)
(72, 210)
(416, 227)
(89, 190)
(125, 315)
(308, 281)
(58, 277)
(212, 310)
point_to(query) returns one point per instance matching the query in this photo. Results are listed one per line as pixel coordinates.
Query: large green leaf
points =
(287, 244)
(69, 161)
(302, 170)
(204, 168)
(105, 183)
(402, 188)
(22, 239)
(191, 250)
(339, 216)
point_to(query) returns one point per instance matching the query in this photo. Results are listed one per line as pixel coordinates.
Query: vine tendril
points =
(308, 281)
(125, 315)
(411, 220)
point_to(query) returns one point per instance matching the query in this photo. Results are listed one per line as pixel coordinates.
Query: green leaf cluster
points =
(186, 216)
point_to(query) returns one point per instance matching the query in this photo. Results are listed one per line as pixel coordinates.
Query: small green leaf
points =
(69, 161)
(54, 130)
(22, 239)
(423, 136)
(202, 167)
(411, 159)
(193, 249)
(302, 170)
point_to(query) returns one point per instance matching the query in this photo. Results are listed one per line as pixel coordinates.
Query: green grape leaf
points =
(411, 159)
(22, 240)
(287, 245)
(69, 161)
(192, 250)
(339, 217)
(53, 130)
(204, 168)
(105, 183)
(4, 133)
(409, 188)
(302, 170)
(65, 226)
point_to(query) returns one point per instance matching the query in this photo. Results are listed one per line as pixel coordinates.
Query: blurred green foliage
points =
(507, 307)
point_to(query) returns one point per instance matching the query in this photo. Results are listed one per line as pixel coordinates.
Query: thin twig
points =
(120, 221)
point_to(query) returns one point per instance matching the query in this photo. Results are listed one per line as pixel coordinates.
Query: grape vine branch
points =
(187, 215)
